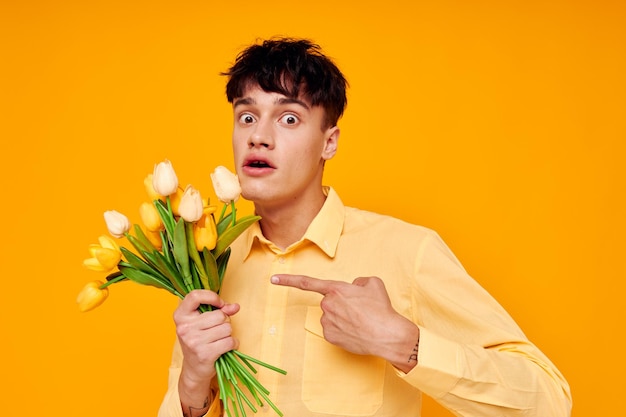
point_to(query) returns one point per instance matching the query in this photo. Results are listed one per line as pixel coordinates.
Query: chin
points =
(254, 194)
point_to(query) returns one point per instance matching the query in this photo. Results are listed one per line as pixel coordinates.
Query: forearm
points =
(172, 405)
(510, 379)
(195, 395)
(473, 358)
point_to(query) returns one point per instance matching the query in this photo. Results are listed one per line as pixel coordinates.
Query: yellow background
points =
(499, 124)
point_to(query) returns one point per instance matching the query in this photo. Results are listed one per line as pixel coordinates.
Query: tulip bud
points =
(105, 256)
(117, 223)
(164, 179)
(91, 296)
(190, 207)
(205, 231)
(155, 239)
(150, 217)
(175, 201)
(106, 242)
(226, 185)
(152, 194)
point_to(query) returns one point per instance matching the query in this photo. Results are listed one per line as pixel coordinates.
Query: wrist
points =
(406, 354)
(195, 393)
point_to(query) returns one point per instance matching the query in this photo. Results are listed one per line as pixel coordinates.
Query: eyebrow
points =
(282, 100)
(287, 100)
(244, 101)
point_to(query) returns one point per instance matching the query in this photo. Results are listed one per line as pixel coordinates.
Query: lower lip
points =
(257, 172)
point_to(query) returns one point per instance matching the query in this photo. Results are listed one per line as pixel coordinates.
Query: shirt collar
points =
(324, 231)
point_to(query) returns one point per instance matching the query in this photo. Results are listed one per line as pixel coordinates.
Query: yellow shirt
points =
(473, 358)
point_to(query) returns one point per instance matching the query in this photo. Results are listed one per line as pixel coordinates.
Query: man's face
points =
(280, 146)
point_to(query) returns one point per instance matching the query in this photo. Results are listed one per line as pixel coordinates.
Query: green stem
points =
(239, 395)
(112, 281)
(251, 359)
(253, 383)
(245, 376)
(169, 206)
(232, 209)
(223, 212)
(222, 386)
(193, 253)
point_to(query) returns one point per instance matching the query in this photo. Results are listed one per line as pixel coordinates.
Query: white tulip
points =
(226, 185)
(117, 223)
(190, 208)
(164, 179)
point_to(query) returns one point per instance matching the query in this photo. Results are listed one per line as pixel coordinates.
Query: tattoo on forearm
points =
(196, 412)
(413, 356)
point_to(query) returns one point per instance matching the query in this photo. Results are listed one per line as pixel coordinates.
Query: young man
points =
(364, 311)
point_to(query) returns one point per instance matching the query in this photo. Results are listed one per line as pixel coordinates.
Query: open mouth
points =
(258, 164)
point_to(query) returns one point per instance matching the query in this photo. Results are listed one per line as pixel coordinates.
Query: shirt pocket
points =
(335, 381)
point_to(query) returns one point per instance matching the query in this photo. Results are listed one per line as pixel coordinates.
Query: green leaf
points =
(137, 262)
(222, 263)
(168, 270)
(143, 278)
(225, 239)
(145, 247)
(193, 253)
(223, 224)
(140, 241)
(166, 216)
(167, 253)
(195, 278)
(212, 282)
(181, 254)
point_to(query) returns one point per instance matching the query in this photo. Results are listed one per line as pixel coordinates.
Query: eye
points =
(246, 118)
(289, 119)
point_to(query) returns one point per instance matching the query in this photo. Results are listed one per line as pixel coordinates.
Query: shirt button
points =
(272, 330)
(281, 260)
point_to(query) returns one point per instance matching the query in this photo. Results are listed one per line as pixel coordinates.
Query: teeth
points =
(258, 164)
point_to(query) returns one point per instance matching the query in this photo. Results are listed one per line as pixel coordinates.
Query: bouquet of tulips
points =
(181, 247)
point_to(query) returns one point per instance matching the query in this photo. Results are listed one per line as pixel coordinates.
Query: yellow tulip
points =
(91, 296)
(190, 207)
(104, 256)
(106, 242)
(175, 201)
(150, 217)
(164, 179)
(154, 238)
(117, 223)
(152, 194)
(226, 185)
(205, 231)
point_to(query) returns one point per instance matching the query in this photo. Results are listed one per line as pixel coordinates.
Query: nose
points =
(261, 136)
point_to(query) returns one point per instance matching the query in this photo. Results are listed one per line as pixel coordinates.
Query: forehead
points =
(254, 95)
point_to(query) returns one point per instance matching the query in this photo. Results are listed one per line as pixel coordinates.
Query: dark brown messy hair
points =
(290, 67)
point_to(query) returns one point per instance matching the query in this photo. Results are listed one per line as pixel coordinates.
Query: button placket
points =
(274, 317)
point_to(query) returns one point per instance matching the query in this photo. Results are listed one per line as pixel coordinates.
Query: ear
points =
(331, 142)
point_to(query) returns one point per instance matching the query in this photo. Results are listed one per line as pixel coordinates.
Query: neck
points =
(286, 224)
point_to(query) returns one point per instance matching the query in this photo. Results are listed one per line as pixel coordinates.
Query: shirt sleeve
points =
(473, 358)
(170, 406)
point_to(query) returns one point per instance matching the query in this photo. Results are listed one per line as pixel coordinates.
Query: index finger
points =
(306, 283)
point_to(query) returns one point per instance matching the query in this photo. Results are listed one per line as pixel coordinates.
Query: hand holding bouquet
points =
(181, 248)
